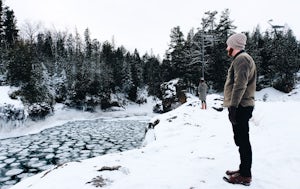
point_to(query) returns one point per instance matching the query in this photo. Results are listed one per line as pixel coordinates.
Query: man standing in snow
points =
(239, 92)
(202, 91)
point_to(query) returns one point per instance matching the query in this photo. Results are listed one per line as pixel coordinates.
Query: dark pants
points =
(241, 139)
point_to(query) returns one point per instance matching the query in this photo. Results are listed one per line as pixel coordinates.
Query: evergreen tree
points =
(88, 44)
(175, 53)
(60, 46)
(191, 75)
(255, 47)
(152, 75)
(89, 63)
(47, 53)
(95, 85)
(107, 62)
(136, 74)
(137, 69)
(266, 70)
(208, 22)
(10, 27)
(285, 60)
(60, 54)
(127, 76)
(79, 91)
(1, 25)
(8, 36)
(117, 68)
(38, 89)
(71, 64)
(20, 64)
(2, 62)
(219, 62)
(165, 68)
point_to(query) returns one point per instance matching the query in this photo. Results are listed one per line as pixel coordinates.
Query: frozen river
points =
(24, 156)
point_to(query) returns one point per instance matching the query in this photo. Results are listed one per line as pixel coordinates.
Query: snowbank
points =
(12, 113)
(5, 99)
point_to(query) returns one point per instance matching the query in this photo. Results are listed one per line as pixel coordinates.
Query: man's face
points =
(229, 51)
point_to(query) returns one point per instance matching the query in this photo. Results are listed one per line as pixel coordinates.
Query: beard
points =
(229, 52)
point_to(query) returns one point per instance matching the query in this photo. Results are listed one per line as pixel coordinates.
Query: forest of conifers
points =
(56, 66)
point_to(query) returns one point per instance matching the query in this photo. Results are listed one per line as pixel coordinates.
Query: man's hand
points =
(232, 115)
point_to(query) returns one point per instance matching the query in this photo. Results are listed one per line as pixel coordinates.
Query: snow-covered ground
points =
(191, 148)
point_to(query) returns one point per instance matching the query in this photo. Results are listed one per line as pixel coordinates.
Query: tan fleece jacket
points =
(240, 83)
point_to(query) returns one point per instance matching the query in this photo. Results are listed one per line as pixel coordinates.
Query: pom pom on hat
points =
(237, 41)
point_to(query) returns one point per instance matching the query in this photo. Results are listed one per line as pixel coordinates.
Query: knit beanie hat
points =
(237, 41)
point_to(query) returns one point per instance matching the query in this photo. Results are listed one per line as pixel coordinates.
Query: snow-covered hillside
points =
(191, 148)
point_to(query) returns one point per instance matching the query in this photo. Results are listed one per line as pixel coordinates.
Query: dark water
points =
(25, 156)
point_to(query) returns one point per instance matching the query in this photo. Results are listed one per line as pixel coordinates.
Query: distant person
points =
(239, 92)
(202, 91)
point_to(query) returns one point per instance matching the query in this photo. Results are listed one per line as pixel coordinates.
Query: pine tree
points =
(1, 25)
(266, 71)
(8, 35)
(175, 53)
(117, 68)
(107, 62)
(219, 62)
(255, 47)
(70, 53)
(152, 75)
(137, 69)
(60, 55)
(20, 64)
(193, 66)
(127, 76)
(10, 27)
(285, 60)
(88, 44)
(2, 61)
(95, 85)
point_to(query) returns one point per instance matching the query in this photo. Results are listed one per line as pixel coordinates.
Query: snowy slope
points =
(193, 148)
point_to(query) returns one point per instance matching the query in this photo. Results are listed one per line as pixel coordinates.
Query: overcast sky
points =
(146, 24)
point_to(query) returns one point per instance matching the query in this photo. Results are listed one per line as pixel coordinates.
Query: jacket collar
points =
(241, 51)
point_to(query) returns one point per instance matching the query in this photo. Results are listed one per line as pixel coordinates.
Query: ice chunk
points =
(49, 156)
(38, 164)
(10, 160)
(2, 165)
(3, 179)
(14, 172)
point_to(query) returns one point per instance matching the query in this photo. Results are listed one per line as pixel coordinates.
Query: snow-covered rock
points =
(38, 111)
(172, 94)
